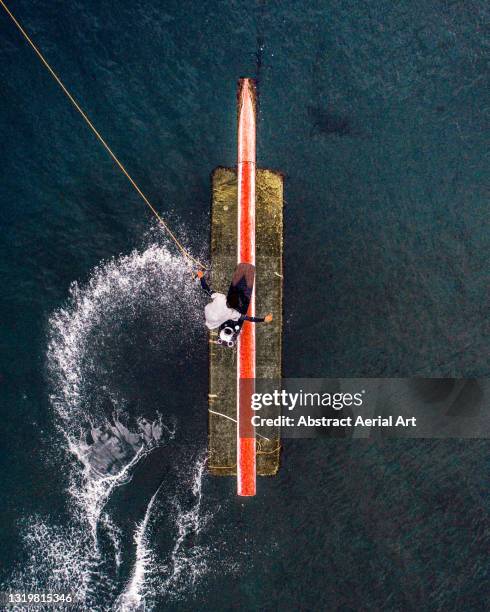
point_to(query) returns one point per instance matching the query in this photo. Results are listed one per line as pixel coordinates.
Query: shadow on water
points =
(327, 123)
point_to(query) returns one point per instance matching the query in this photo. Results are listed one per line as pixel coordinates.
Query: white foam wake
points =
(79, 346)
(138, 589)
(153, 280)
(102, 439)
(189, 559)
(59, 560)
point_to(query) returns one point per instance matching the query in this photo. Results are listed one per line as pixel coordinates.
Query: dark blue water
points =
(377, 114)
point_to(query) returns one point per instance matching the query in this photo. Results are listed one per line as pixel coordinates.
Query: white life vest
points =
(217, 312)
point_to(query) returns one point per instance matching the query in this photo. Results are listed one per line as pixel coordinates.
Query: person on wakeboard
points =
(223, 309)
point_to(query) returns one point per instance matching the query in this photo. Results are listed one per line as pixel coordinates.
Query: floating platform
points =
(222, 420)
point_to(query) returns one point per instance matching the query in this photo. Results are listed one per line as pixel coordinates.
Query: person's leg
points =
(206, 287)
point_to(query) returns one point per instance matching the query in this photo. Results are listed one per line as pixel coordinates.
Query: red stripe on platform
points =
(246, 460)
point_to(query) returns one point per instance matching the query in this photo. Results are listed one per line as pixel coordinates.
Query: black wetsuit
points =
(210, 292)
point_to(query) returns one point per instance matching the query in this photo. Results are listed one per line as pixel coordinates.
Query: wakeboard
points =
(238, 298)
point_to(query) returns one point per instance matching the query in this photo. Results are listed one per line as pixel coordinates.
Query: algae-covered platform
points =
(222, 430)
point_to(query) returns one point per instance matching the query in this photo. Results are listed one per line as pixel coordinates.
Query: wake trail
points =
(103, 438)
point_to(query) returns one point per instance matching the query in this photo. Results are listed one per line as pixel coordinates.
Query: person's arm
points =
(204, 283)
(266, 319)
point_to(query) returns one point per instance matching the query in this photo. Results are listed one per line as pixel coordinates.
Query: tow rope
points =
(177, 242)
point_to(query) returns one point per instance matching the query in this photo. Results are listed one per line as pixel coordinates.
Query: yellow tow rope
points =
(183, 250)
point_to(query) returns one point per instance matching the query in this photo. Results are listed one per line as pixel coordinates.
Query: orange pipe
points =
(246, 466)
